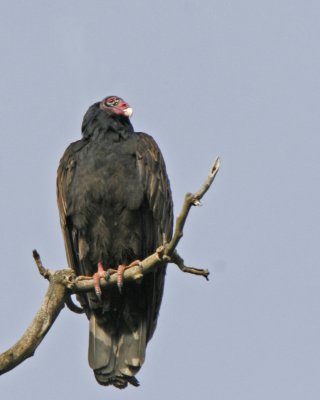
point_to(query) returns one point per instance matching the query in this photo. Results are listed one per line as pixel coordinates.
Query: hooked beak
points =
(128, 112)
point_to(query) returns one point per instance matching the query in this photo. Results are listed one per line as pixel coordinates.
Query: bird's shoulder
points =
(148, 147)
(152, 171)
(71, 152)
(65, 172)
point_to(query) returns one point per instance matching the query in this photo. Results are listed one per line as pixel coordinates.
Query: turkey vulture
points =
(115, 206)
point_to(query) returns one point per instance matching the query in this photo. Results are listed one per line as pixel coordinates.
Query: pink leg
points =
(101, 273)
(120, 272)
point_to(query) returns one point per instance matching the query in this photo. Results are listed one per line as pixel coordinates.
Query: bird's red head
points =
(116, 105)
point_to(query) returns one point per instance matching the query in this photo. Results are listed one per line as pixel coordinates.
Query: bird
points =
(115, 206)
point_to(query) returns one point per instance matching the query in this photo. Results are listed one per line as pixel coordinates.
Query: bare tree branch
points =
(189, 201)
(63, 283)
(191, 270)
(42, 322)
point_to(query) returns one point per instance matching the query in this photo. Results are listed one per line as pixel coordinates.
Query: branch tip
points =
(42, 270)
(215, 166)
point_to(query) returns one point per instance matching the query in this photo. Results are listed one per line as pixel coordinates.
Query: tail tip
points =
(120, 382)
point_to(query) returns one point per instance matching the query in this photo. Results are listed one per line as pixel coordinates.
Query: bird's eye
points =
(112, 101)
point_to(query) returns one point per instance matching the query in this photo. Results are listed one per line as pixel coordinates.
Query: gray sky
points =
(239, 79)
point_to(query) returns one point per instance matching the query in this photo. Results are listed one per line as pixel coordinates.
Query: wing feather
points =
(153, 175)
(157, 186)
(64, 179)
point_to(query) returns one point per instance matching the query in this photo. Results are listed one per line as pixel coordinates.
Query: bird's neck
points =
(103, 124)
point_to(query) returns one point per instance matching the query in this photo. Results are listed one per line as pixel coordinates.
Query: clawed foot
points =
(120, 272)
(102, 273)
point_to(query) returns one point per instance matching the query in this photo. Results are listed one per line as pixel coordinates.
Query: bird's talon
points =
(122, 268)
(134, 263)
(120, 272)
(96, 279)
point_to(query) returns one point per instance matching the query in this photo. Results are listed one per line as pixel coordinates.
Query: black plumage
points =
(115, 205)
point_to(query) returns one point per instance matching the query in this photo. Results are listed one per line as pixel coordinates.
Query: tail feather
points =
(131, 350)
(101, 346)
(116, 357)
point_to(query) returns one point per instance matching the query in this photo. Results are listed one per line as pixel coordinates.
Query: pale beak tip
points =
(128, 112)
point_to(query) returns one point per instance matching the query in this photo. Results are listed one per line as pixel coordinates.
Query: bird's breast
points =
(106, 181)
